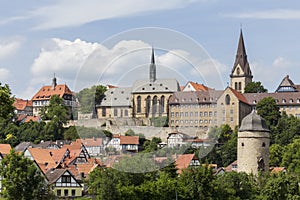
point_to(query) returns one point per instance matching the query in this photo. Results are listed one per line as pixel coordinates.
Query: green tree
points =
(255, 87)
(276, 152)
(6, 103)
(57, 113)
(281, 186)
(196, 183)
(268, 109)
(235, 185)
(21, 178)
(90, 97)
(286, 129)
(151, 145)
(291, 156)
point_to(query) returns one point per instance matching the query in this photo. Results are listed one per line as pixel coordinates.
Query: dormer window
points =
(283, 100)
(291, 100)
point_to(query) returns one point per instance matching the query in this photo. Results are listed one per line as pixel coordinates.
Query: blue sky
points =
(109, 42)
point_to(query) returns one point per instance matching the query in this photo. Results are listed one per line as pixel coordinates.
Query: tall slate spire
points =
(241, 57)
(152, 67)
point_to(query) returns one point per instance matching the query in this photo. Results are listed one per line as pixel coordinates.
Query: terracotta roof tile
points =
(239, 95)
(47, 91)
(5, 149)
(199, 87)
(277, 169)
(91, 142)
(183, 161)
(57, 154)
(21, 104)
(129, 139)
(32, 118)
(43, 158)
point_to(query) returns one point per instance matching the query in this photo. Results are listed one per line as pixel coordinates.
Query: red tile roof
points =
(21, 104)
(239, 95)
(5, 149)
(199, 87)
(129, 139)
(43, 158)
(91, 142)
(183, 161)
(32, 118)
(277, 169)
(46, 92)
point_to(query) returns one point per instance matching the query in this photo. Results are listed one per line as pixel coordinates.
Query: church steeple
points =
(241, 57)
(241, 73)
(152, 67)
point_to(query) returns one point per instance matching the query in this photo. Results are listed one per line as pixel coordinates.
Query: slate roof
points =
(282, 98)
(117, 97)
(195, 97)
(241, 58)
(159, 85)
(254, 122)
(23, 146)
(54, 174)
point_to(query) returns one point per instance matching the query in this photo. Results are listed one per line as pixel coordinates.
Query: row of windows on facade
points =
(200, 114)
(46, 102)
(116, 112)
(194, 121)
(195, 106)
(196, 99)
(66, 193)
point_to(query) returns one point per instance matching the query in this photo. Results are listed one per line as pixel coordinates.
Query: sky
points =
(109, 41)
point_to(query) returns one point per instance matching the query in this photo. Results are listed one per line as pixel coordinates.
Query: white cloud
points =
(9, 47)
(77, 12)
(83, 64)
(272, 74)
(4, 74)
(284, 14)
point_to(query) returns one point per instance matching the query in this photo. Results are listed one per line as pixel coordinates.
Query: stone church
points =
(146, 99)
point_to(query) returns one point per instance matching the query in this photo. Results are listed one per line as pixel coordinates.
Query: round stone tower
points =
(253, 145)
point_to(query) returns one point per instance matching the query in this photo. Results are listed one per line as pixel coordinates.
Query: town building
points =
(42, 97)
(146, 99)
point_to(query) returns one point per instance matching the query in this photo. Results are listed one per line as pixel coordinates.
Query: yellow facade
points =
(67, 191)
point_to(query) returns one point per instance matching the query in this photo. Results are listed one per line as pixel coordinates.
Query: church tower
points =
(253, 145)
(241, 73)
(152, 68)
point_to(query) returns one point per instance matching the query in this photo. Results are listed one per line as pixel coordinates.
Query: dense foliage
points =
(255, 87)
(90, 97)
(21, 178)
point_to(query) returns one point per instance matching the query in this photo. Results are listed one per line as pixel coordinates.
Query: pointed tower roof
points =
(152, 67)
(241, 58)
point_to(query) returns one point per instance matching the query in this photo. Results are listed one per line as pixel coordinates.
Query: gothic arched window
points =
(139, 106)
(162, 105)
(235, 86)
(154, 105)
(240, 86)
(227, 99)
(148, 103)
